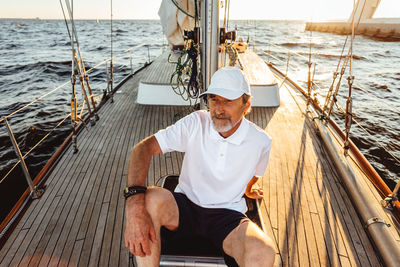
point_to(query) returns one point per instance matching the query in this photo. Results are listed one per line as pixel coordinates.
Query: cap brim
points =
(225, 93)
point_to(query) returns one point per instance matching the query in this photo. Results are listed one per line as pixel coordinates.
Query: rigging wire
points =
(350, 79)
(341, 109)
(379, 98)
(183, 11)
(73, 81)
(309, 81)
(38, 143)
(34, 101)
(111, 77)
(330, 101)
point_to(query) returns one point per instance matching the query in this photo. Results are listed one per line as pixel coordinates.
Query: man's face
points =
(226, 114)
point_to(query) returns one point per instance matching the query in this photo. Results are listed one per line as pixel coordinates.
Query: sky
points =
(239, 9)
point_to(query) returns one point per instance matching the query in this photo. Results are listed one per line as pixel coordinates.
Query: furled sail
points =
(174, 21)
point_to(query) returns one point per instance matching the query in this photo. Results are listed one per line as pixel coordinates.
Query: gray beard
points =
(224, 128)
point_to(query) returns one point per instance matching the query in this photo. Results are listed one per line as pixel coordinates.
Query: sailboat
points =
(323, 201)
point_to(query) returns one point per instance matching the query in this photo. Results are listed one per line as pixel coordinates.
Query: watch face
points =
(126, 190)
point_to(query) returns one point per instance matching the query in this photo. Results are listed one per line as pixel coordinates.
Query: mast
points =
(364, 9)
(210, 35)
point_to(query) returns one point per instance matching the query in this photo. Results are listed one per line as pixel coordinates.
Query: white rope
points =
(368, 133)
(34, 101)
(27, 153)
(115, 56)
(64, 84)
(41, 140)
(291, 51)
(377, 97)
(273, 57)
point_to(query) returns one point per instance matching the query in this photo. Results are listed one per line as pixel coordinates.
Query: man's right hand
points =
(139, 228)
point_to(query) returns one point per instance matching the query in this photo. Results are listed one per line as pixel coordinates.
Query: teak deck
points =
(79, 221)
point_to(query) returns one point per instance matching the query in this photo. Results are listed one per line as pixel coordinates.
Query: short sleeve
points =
(176, 136)
(263, 161)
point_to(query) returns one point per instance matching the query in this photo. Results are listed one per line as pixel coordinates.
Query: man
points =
(224, 156)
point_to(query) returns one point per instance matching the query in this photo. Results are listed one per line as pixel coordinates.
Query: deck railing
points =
(34, 191)
(316, 90)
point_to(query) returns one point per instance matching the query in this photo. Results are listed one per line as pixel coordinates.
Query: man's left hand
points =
(255, 193)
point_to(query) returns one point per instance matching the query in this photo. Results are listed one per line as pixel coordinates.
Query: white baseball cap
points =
(229, 83)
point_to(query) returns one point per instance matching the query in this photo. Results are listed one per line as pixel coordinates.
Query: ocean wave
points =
(60, 68)
(325, 55)
(302, 45)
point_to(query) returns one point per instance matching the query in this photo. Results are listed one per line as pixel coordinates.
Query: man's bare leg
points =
(163, 210)
(250, 246)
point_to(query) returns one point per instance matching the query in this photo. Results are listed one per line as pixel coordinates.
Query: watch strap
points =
(134, 190)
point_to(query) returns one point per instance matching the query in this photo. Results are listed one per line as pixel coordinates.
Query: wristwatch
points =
(133, 190)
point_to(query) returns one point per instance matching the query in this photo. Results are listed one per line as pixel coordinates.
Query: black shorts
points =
(212, 224)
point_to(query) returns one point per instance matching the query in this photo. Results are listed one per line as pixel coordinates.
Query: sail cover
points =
(174, 21)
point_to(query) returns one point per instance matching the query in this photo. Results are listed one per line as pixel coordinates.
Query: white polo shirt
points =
(216, 170)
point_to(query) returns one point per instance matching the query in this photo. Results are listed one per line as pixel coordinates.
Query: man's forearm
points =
(138, 222)
(140, 159)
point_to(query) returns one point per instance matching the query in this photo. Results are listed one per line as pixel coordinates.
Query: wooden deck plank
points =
(118, 232)
(296, 165)
(76, 252)
(35, 210)
(299, 200)
(346, 247)
(151, 177)
(320, 205)
(68, 234)
(62, 219)
(148, 132)
(62, 237)
(103, 234)
(48, 240)
(282, 222)
(274, 198)
(26, 220)
(88, 229)
(30, 236)
(318, 227)
(110, 236)
(313, 156)
(291, 221)
(13, 248)
(80, 214)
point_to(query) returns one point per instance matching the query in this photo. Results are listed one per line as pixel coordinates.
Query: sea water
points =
(35, 58)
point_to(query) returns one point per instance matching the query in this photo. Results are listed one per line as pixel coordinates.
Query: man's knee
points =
(161, 205)
(257, 249)
(260, 249)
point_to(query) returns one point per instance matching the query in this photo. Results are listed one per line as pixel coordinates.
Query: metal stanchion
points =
(130, 58)
(35, 193)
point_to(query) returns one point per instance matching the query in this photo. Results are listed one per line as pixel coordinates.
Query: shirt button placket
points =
(221, 155)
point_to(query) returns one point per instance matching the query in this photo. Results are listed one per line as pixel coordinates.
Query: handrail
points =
(29, 104)
(384, 190)
(292, 52)
(340, 108)
(367, 168)
(16, 146)
(117, 55)
(41, 176)
(64, 84)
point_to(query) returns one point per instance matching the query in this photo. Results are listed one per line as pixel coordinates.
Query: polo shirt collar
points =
(236, 138)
